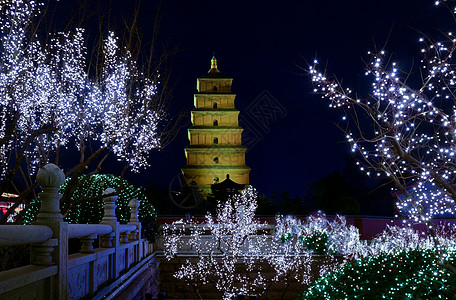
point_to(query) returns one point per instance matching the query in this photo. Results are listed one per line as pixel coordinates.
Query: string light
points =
(408, 274)
(91, 211)
(234, 240)
(47, 86)
(237, 240)
(406, 132)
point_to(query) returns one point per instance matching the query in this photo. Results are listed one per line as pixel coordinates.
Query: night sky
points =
(263, 46)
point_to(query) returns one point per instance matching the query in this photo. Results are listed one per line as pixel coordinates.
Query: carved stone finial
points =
(50, 176)
(134, 204)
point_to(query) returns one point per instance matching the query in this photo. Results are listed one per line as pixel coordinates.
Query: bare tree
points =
(234, 251)
(404, 129)
(54, 97)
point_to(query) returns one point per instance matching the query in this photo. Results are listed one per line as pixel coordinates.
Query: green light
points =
(409, 274)
(90, 211)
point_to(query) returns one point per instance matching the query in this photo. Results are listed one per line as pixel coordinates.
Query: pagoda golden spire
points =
(213, 62)
(213, 65)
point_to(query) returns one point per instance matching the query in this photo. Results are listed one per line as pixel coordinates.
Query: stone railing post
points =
(87, 243)
(50, 178)
(111, 240)
(134, 210)
(134, 220)
(124, 236)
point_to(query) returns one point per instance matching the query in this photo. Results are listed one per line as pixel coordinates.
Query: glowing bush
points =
(409, 274)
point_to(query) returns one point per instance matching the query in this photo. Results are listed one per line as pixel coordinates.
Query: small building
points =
(215, 148)
(226, 188)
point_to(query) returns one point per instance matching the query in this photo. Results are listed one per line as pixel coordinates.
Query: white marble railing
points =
(14, 235)
(53, 274)
(81, 230)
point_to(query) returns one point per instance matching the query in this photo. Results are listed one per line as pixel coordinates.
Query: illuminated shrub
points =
(87, 205)
(318, 234)
(408, 274)
(316, 242)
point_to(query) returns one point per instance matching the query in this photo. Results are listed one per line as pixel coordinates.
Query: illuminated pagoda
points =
(215, 149)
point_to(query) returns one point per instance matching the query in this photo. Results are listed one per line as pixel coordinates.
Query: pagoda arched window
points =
(214, 105)
(215, 123)
(215, 141)
(214, 89)
(216, 160)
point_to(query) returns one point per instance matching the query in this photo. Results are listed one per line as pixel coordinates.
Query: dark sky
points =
(262, 45)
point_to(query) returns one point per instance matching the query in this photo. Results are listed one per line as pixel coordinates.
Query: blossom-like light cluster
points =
(336, 240)
(405, 132)
(233, 249)
(344, 239)
(395, 239)
(48, 99)
(341, 238)
(234, 240)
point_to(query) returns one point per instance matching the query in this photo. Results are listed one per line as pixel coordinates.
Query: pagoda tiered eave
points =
(217, 167)
(216, 149)
(215, 110)
(216, 128)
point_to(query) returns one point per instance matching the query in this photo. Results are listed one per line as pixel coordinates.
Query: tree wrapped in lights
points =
(236, 240)
(87, 204)
(395, 239)
(319, 234)
(50, 102)
(405, 131)
(290, 258)
(339, 242)
(36, 104)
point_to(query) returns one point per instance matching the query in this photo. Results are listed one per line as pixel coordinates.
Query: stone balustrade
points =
(81, 230)
(87, 234)
(14, 235)
(127, 227)
(90, 273)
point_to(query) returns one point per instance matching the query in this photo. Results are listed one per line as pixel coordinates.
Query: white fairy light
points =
(221, 245)
(410, 136)
(47, 88)
(234, 237)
